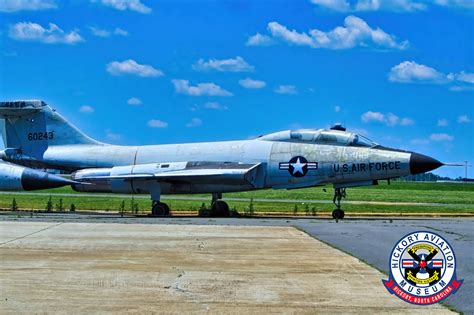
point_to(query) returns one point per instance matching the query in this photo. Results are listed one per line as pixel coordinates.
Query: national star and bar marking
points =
(298, 166)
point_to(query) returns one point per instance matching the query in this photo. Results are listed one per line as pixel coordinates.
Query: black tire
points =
(220, 209)
(338, 214)
(160, 209)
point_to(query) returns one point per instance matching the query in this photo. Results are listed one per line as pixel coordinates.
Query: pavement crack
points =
(32, 233)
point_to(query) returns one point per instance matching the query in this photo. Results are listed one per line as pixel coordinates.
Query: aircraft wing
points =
(187, 172)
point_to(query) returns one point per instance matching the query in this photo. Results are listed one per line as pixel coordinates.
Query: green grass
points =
(455, 197)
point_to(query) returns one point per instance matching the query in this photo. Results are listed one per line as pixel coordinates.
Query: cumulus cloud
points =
(215, 105)
(286, 89)
(134, 101)
(131, 67)
(252, 84)
(355, 33)
(28, 31)
(441, 137)
(260, 40)
(195, 122)
(26, 5)
(122, 5)
(106, 33)
(201, 89)
(464, 119)
(371, 5)
(442, 122)
(86, 109)
(388, 119)
(412, 72)
(156, 123)
(465, 77)
(237, 64)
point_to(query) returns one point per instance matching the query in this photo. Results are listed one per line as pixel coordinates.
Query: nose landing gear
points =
(219, 207)
(339, 193)
(160, 209)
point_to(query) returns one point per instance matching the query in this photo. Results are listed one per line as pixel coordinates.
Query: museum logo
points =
(422, 269)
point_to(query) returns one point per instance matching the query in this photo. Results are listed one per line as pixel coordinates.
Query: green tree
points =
(14, 206)
(49, 204)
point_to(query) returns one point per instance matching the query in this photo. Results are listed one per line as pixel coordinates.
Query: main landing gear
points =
(219, 207)
(160, 209)
(339, 193)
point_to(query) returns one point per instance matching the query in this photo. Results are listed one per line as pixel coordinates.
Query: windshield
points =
(361, 141)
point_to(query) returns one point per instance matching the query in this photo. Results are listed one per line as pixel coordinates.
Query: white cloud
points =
(337, 108)
(156, 123)
(260, 40)
(86, 109)
(195, 122)
(410, 71)
(465, 77)
(130, 66)
(28, 31)
(134, 101)
(441, 137)
(371, 5)
(122, 5)
(464, 119)
(120, 32)
(355, 33)
(201, 89)
(442, 122)
(215, 105)
(388, 119)
(252, 84)
(336, 5)
(373, 116)
(237, 64)
(106, 33)
(26, 5)
(286, 89)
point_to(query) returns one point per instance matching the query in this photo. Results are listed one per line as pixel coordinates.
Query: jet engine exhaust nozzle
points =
(420, 163)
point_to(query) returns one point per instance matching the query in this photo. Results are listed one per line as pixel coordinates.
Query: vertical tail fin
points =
(32, 126)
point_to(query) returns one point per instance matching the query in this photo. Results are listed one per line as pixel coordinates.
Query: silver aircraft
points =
(36, 136)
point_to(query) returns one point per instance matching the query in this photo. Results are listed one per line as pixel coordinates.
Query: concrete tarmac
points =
(370, 240)
(232, 265)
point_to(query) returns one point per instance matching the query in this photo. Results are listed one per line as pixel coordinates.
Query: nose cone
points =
(33, 179)
(420, 163)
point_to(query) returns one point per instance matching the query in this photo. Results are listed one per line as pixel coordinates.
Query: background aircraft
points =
(36, 136)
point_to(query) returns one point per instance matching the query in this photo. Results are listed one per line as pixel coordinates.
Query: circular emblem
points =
(298, 166)
(422, 269)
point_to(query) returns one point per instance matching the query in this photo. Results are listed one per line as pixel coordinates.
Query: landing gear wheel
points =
(160, 209)
(338, 214)
(220, 208)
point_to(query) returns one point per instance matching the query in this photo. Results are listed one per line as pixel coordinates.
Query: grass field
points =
(427, 198)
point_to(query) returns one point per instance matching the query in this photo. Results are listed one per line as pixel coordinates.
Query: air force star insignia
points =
(298, 166)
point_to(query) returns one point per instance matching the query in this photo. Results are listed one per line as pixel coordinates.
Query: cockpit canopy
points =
(320, 136)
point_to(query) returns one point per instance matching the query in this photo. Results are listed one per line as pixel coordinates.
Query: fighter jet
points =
(37, 136)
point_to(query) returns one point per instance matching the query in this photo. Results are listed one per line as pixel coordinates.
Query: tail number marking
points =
(38, 136)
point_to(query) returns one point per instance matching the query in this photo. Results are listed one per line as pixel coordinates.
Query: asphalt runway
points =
(370, 240)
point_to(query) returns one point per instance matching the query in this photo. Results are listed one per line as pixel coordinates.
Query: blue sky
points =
(150, 72)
